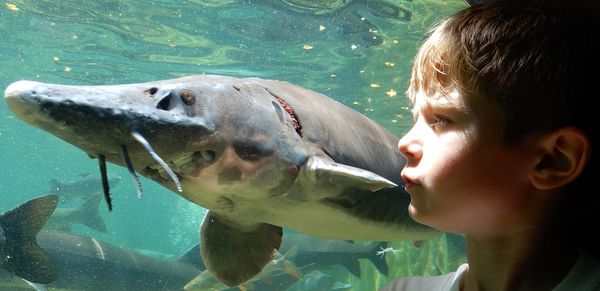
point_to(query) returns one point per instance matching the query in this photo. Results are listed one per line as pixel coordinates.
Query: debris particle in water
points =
(392, 93)
(12, 7)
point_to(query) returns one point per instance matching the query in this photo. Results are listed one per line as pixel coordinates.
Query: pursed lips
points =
(408, 182)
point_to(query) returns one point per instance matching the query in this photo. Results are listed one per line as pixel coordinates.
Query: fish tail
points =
(89, 215)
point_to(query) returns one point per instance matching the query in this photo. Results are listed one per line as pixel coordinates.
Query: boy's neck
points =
(522, 261)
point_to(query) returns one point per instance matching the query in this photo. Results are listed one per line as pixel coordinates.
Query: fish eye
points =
(187, 96)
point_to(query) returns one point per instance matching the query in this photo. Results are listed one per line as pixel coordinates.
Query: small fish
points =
(81, 188)
(64, 218)
(66, 261)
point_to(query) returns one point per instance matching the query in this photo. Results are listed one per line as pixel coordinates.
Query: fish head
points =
(218, 134)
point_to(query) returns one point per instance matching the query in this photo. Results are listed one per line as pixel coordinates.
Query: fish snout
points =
(20, 88)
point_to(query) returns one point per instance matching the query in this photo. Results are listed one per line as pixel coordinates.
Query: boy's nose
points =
(410, 147)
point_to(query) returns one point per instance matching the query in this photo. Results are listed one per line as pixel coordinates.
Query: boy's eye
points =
(438, 121)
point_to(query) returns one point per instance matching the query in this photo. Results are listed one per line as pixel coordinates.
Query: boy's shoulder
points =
(585, 274)
(446, 282)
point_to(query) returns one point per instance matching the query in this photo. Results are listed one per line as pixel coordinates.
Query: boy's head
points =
(540, 62)
(535, 64)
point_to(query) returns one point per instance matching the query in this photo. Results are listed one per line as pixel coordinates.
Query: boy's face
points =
(460, 175)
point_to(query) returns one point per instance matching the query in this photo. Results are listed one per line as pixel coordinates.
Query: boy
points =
(504, 146)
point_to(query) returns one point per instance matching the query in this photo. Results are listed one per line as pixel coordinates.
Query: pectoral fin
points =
(323, 172)
(235, 255)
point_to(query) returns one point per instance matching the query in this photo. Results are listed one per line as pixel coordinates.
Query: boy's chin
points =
(414, 213)
(421, 215)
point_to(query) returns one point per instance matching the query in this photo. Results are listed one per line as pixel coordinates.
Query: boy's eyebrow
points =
(420, 103)
(443, 105)
(428, 103)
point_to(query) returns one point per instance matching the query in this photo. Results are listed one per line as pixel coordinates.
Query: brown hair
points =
(539, 61)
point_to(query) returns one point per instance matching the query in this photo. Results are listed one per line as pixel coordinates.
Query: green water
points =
(359, 54)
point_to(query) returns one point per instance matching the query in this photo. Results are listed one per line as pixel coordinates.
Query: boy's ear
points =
(565, 152)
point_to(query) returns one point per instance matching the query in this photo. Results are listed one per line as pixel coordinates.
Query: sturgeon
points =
(67, 261)
(259, 154)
